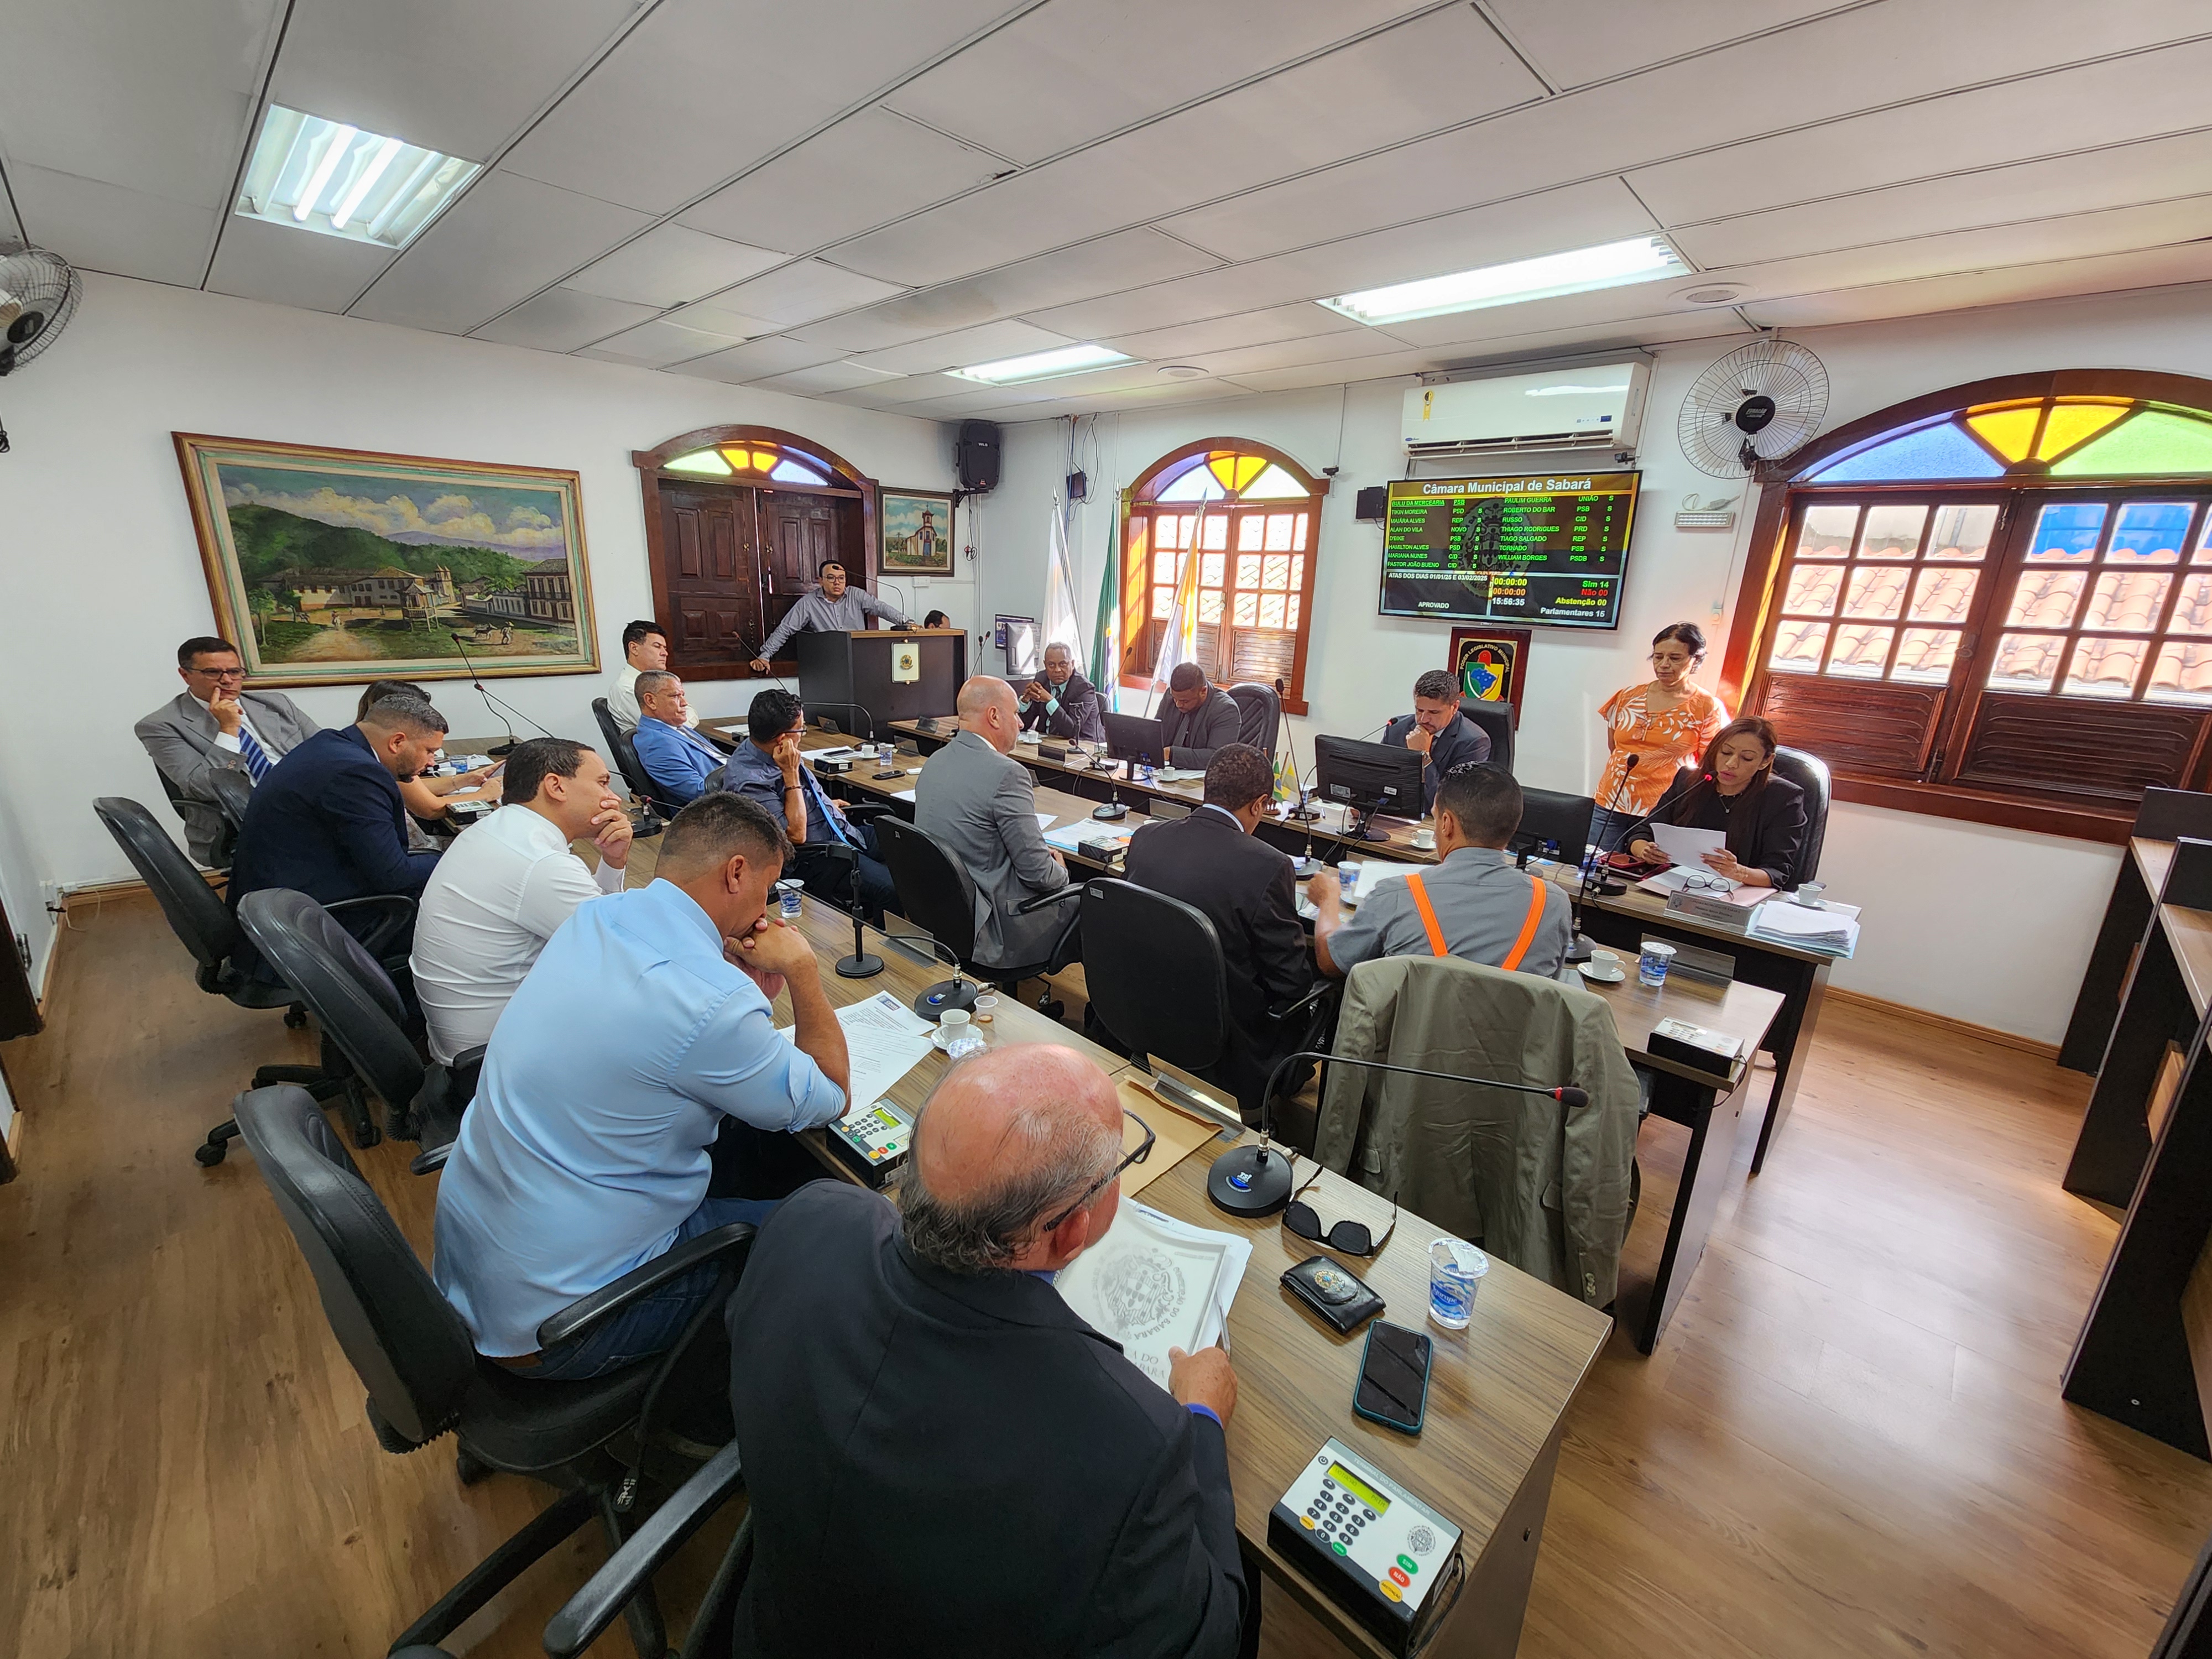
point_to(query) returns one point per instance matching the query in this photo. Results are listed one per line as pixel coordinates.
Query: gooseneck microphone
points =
(1254, 1180)
(1302, 812)
(494, 704)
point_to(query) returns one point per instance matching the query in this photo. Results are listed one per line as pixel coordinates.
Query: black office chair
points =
(233, 793)
(227, 843)
(627, 762)
(938, 896)
(205, 926)
(589, 1440)
(1495, 719)
(361, 1011)
(1810, 773)
(1259, 715)
(1158, 983)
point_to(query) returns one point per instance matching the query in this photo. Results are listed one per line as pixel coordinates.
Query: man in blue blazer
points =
(678, 759)
(328, 821)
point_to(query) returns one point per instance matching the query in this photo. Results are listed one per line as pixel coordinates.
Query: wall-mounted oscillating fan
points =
(1758, 404)
(37, 296)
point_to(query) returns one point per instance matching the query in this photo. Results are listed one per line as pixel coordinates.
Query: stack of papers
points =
(884, 1040)
(1831, 927)
(1361, 877)
(1070, 837)
(1154, 1283)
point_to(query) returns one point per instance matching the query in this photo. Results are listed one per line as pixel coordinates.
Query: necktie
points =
(257, 758)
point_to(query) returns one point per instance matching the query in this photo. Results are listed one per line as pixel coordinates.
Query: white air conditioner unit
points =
(1594, 406)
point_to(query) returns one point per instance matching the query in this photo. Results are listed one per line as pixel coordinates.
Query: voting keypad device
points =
(873, 1144)
(1381, 1553)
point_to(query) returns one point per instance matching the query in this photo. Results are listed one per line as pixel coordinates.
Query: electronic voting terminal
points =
(873, 1143)
(1377, 1550)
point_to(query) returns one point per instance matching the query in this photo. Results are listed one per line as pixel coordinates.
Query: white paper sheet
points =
(1361, 877)
(1688, 846)
(1154, 1283)
(1817, 930)
(885, 1040)
(902, 794)
(1045, 820)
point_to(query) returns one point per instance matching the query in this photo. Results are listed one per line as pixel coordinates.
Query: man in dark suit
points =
(1211, 860)
(912, 1394)
(1443, 736)
(1197, 719)
(1061, 703)
(329, 822)
(216, 726)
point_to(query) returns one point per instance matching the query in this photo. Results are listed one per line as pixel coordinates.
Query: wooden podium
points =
(863, 669)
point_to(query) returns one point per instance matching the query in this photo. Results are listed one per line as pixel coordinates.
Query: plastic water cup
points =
(1651, 967)
(987, 1008)
(886, 753)
(787, 895)
(1455, 1271)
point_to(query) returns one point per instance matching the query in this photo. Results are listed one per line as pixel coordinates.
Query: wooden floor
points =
(1849, 1443)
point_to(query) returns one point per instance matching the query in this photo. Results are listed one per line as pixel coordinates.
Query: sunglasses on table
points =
(1350, 1237)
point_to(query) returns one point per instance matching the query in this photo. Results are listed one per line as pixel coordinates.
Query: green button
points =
(1340, 1549)
(1409, 1564)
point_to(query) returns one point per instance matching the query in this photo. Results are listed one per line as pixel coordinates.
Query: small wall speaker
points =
(979, 457)
(1371, 506)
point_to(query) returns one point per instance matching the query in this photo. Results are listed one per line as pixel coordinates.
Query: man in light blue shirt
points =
(588, 1148)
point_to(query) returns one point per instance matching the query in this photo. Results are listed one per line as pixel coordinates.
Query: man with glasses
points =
(214, 725)
(906, 1382)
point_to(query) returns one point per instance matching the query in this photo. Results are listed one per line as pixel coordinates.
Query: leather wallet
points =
(1334, 1291)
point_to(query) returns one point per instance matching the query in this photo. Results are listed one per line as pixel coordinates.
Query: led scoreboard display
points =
(1550, 551)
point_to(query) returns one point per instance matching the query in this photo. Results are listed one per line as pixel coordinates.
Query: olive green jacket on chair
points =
(1542, 1186)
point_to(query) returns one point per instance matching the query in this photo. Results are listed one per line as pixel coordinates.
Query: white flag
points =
(1061, 624)
(1180, 643)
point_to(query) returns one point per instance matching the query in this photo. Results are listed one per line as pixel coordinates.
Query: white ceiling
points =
(845, 199)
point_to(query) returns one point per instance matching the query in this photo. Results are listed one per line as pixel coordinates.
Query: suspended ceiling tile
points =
(703, 90)
(561, 320)
(2187, 262)
(2147, 172)
(756, 360)
(103, 227)
(824, 377)
(669, 265)
(153, 100)
(915, 389)
(711, 316)
(986, 344)
(1290, 353)
(1297, 321)
(1621, 333)
(871, 166)
(1103, 265)
(506, 238)
(1345, 372)
(803, 291)
(1074, 70)
(873, 329)
(657, 344)
(461, 79)
(257, 260)
(1577, 41)
(2069, 110)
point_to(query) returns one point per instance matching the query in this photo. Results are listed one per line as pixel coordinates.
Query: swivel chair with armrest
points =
(233, 793)
(624, 753)
(205, 926)
(1809, 772)
(1259, 715)
(1495, 719)
(362, 1012)
(936, 894)
(592, 1440)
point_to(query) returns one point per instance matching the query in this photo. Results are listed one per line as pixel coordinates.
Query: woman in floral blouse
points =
(1665, 724)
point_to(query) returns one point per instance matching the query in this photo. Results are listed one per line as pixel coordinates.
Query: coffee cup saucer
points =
(1591, 971)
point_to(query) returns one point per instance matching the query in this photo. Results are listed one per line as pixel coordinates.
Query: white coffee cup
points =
(1425, 839)
(952, 1025)
(1605, 963)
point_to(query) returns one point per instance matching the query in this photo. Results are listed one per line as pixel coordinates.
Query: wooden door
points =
(711, 574)
(799, 532)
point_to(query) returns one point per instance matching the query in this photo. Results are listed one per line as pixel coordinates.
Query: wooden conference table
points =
(1621, 921)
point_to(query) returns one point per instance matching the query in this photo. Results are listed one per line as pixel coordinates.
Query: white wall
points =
(1984, 925)
(100, 572)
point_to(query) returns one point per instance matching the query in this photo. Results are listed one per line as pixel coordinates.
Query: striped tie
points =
(257, 758)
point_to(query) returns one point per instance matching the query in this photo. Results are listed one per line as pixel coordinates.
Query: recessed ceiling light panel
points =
(1715, 294)
(1042, 365)
(338, 180)
(1579, 271)
(1180, 371)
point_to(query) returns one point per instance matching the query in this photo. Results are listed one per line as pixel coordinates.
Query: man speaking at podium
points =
(832, 608)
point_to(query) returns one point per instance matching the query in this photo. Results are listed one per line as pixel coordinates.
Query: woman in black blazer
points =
(1735, 791)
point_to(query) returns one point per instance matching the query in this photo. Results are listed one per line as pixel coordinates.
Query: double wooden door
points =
(735, 558)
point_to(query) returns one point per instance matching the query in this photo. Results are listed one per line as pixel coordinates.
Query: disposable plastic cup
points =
(1455, 1271)
(786, 894)
(1651, 967)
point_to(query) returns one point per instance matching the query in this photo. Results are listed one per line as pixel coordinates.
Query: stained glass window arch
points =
(1998, 604)
(752, 460)
(1220, 540)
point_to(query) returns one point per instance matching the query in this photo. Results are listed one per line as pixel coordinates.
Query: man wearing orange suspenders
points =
(1472, 904)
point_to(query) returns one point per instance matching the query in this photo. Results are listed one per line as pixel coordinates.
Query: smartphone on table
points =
(1394, 1377)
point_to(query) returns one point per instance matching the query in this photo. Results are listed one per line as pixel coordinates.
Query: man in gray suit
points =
(216, 726)
(983, 807)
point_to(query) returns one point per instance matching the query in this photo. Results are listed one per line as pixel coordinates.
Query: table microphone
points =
(1302, 812)
(503, 749)
(1251, 1182)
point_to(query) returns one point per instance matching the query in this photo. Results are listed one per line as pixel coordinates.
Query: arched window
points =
(1995, 602)
(1233, 526)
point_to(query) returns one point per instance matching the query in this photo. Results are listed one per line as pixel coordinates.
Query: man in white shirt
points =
(215, 725)
(506, 884)
(645, 644)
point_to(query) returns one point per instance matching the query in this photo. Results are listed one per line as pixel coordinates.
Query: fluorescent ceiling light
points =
(1042, 365)
(336, 180)
(1638, 259)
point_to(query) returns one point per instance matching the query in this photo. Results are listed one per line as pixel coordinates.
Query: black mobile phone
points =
(1394, 1377)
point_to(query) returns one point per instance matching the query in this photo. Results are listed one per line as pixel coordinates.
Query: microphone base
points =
(500, 750)
(1303, 814)
(860, 965)
(1112, 812)
(947, 993)
(1249, 1181)
(1579, 949)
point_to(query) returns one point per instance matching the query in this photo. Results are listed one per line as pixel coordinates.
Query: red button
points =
(1398, 1573)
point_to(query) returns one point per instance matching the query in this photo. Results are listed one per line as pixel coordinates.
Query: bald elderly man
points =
(912, 1394)
(982, 805)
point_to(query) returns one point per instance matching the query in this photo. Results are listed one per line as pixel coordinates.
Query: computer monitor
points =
(1549, 820)
(1017, 637)
(1368, 778)
(1134, 738)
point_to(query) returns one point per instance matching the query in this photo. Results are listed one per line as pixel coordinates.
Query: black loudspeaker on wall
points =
(979, 457)
(1371, 506)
